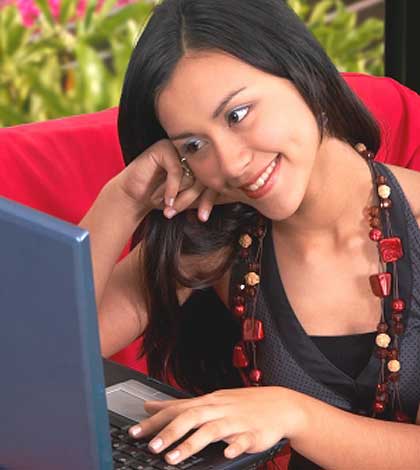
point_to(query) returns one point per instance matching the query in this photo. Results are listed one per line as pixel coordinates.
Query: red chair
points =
(60, 166)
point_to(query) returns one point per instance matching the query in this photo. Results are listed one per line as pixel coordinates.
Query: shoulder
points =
(410, 184)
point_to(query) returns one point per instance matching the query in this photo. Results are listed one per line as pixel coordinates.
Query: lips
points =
(265, 180)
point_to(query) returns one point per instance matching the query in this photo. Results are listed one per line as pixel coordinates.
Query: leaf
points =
(45, 10)
(67, 10)
(320, 11)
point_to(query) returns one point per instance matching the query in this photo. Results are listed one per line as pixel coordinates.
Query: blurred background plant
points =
(65, 57)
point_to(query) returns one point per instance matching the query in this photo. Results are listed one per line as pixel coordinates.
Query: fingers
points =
(212, 431)
(206, 203)
(240, 444)
(184, 200)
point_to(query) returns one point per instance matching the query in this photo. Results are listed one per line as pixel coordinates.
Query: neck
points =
(332, 211)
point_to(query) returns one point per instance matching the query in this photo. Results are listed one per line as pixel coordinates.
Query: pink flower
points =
(28, 11)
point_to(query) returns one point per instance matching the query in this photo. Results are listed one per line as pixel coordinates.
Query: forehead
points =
(201, 79)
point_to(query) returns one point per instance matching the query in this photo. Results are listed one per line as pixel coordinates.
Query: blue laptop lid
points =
(52, 400)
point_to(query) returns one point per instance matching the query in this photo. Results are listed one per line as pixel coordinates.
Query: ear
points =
(418, 415)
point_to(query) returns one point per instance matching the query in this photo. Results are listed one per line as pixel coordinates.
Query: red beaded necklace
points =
(383, 284)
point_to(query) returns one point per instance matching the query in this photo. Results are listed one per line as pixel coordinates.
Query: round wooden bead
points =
(361, 148)
(375, 234)
(382, 327)
(254, 267)
(259, 231)
(394, 365)
(244, 253)
(252, 279)
(398, 305)
(384, 191)
(398, 328)
(383, 340)
(245, 241)
(386, 204)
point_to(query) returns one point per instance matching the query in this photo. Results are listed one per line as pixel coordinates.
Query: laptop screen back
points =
(52, 400)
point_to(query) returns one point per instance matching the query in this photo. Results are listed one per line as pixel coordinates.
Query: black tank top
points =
(341, 371)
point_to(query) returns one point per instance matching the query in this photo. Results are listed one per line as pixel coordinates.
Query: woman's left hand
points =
(249, 419)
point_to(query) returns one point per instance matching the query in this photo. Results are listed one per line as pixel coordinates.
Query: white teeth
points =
(263, 178)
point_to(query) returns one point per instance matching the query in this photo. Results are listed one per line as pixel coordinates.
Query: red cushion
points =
(59, 166)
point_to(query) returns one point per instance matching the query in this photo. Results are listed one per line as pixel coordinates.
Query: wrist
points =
(297, 412)
(130, 208)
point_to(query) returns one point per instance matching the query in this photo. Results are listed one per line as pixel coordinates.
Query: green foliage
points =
(352, 47)
(74, 64)
(66, 65)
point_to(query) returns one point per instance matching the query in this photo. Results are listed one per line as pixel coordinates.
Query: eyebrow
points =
(215, 114)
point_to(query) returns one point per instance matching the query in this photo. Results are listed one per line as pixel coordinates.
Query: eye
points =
(237, 115)
(192, 147)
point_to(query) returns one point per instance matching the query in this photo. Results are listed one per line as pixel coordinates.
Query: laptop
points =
(55, 412)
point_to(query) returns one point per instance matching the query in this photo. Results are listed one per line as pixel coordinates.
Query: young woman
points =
(249, 169)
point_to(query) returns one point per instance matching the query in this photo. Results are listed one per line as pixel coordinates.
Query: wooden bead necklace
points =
(383, 284)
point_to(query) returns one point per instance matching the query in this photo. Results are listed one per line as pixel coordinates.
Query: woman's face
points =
(246, 134)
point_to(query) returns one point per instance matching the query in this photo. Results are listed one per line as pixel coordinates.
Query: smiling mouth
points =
(263, 178)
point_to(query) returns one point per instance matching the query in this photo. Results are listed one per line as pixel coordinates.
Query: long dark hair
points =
(268, 35)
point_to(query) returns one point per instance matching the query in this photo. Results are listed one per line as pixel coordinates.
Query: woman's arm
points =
(254, 419)
(337, 439)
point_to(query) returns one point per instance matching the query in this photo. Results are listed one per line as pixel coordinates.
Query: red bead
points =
(401, 417)
(244, 253)
(251, 291)
(381, 284)
(255, 375)
(240, 358)
(386, 204)
(382, 327)
(391, 249)
(393, 353)
(252, 330)
(381, 353)
(381, 388)
(382, 397)
(397, 316)
(239, 310)
(394, 377)
(398, 305)
(398, 328)
(378, 407)
(375, 234)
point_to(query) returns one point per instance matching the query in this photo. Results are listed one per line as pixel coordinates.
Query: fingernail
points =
(171, 201)
(204, 215)
(135, 431)
(174, 455)
(156, 444)
(170, 213)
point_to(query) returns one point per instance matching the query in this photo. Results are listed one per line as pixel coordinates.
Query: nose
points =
(234, 158)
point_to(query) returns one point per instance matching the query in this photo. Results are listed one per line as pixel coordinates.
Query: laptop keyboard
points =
(133, 454)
